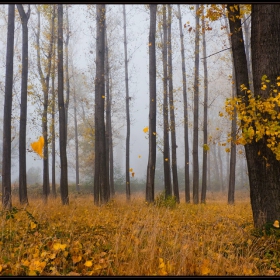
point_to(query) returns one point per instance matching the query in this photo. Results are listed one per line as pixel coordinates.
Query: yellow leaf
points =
(33, 225)
(88, 263)
(65, 254)
(276, 224)
(166, 159)
(139, 156)
(38, 146)
(130, 169)
(76, 259)
(32, 273)
(97, 267)
(145, 129)
(132, 174)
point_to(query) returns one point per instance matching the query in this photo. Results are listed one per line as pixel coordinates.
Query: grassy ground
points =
(135, 239)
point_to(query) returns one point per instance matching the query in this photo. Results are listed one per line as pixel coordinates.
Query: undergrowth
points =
(135, 238)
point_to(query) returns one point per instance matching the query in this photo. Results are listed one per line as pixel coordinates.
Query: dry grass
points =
(135, 239)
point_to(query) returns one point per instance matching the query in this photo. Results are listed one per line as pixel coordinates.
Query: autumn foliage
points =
(135, 239)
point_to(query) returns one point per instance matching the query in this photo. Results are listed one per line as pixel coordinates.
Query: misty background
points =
(82, 60)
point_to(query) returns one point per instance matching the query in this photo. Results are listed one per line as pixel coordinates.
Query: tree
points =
(263, 166)
(150, 184)
(44, 69)
(100, 180)
(62, 126)
(127, 167)
(6, 156)
(166, 149)
(195, 112)
(186, 122)
(24, 16)
(172, 113)
(205, 117)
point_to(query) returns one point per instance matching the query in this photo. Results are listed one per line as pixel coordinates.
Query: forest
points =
(140, 140)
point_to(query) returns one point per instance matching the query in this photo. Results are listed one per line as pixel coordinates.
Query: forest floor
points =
(135, 238)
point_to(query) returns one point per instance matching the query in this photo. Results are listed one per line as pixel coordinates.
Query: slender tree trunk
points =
(208, 172)
(45, 87)
(53, 132)
(186, 121)
(127, 98)
(166, 149)
(172, 113)
(67, 71)
(221, 168)
(100, 146)
(205, 119)
(6, 160)
(196, 113)
(108, 115)
(217, 170)
(150, 185)
(23, 106)
(62, 126)
(76, 143)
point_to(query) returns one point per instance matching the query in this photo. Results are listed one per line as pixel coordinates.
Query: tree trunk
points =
(205, 120)
(67, 72)
(108, 115)
(150, 185)
(23, 106)
(100, 146)
(6, 160)
(127, 98)
(76, 144)
(221, 168)
(166, 148)
(263, 169)
(62, 126)
(196, 113)
(186, 121)
(172, 113)
(53, 131)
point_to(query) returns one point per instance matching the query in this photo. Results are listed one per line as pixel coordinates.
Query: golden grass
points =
(135, 239)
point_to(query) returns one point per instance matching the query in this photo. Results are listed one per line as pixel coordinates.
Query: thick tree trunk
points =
(62, 126)
(6, 160)
(186, 121)
(100, 139)
(166, 148)
(150, 184)
(127, 98)
(205, 119)
(196, 113)
(23, 106)
(263, 168)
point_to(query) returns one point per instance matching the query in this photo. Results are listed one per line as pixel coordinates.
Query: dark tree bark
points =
(232, 164)
(196, 113)
(166, 148)
(67, 72)
(127, 98)
(62, 126)
(150, 185)
(263, 169)
(6, 160)
(108, 115)
(53, 130)
(205, 119)
(172, 113)
(100, 138)
(186, 121)
(24, 16)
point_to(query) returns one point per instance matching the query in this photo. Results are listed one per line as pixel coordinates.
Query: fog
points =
(82, 54)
